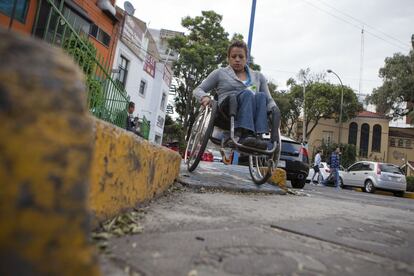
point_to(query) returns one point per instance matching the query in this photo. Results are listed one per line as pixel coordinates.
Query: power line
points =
(354, 25)
(361, 22)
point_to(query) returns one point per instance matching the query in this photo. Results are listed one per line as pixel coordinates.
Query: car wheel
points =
(297, 184)
(399, 193)
(369, 186)
(341, 183)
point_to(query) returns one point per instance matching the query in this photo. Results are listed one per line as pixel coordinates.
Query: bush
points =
(410, 183)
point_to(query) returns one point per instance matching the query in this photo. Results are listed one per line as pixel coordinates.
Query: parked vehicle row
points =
(371, 176)
(368, 175)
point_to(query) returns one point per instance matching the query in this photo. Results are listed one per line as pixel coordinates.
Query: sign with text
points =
(149, 65)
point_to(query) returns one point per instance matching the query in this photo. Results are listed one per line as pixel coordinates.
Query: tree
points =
(289, 106)
(397, 88)
(322, 100)
(200, 52)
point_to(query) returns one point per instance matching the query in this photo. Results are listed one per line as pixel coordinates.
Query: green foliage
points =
(410, 183)
(289, 106)
(173, 132)
(348, 153)
(84, 53)
(201, 51)
(398, 86)
(323, 100)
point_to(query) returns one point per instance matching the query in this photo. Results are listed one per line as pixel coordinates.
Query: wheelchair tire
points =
(261, 168)
(199, 135)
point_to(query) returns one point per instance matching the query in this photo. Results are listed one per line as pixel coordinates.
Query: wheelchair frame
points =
(261, 162)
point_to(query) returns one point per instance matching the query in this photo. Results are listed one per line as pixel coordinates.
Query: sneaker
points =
(261, 144)
(248, 141)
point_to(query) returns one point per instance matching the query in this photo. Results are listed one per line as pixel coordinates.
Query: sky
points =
(290, 35)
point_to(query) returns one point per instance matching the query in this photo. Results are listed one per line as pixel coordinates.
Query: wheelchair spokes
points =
(199, 136)
(260, 168)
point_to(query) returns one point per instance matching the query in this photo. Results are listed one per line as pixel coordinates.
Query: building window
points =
(100, 35)
(158, 139)
(142, 88)
(376, 138)
(163, 100)
(400, 143)
(408, 144)
(123, 70)
(6, 7)
(77, 22)
(364, 140)
(392, 142)
(327, 137)
(353, 131)
(160, 121)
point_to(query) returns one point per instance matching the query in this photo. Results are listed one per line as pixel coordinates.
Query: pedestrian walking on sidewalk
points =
(316, 165)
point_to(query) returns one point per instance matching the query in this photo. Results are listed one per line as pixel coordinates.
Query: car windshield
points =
(290, 148)
(389, 168)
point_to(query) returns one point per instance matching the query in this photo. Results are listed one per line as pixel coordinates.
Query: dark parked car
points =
(293, 159)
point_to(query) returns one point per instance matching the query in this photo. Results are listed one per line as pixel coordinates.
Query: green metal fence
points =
(107, 99)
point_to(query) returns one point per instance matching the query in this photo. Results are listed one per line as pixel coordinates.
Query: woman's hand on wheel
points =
(205, 100)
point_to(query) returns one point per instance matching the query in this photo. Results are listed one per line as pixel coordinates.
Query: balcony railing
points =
(107, 99)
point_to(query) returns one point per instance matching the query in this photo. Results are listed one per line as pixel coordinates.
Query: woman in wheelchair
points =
(244, 99)
(252, 93)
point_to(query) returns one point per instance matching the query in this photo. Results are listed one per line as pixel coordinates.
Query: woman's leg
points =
(246, 109)
(260, 113)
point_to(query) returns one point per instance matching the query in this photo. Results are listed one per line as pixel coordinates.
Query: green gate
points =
(107, 99)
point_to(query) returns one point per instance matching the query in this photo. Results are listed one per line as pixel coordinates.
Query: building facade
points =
(94, 19)
(372, 135)
(138, 67)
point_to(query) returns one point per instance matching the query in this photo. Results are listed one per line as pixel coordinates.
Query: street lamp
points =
(342, 102)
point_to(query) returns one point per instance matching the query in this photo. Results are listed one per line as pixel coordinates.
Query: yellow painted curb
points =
(409, 195)
(45, 155)
(406, 194)
(126, 171)
(278, 178)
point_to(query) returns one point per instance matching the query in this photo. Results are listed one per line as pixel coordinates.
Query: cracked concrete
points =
(203, 232)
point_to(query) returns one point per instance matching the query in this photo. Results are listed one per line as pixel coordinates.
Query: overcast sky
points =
(293, 34)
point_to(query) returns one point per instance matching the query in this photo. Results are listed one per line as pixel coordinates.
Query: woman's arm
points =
(207, 85)
(265, 88)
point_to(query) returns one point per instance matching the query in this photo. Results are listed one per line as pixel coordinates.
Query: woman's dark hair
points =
(237, 44)
(131, 104)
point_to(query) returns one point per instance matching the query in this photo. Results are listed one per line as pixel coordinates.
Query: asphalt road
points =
(206, 228)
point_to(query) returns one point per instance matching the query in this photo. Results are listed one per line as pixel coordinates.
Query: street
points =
(196, 230)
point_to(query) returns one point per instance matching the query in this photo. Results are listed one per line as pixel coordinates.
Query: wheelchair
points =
(261, 161)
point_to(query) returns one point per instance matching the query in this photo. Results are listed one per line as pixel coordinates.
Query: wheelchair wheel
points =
(261, 167)
(199, 136)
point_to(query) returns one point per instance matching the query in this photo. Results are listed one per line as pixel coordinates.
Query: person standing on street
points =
(335, 164)
(316, 165)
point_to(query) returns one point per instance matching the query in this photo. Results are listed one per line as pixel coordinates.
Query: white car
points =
(324, 172)
(375, 175)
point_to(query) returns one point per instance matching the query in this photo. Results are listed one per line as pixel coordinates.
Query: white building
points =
(140, 69)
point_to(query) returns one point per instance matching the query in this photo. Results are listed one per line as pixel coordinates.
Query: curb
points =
(126, 171)
(45, 156)
(406, 194)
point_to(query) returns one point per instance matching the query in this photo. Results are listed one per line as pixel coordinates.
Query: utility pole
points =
(361, 66)
(249, 41)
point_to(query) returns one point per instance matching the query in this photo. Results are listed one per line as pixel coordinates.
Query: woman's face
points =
(237, 59)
